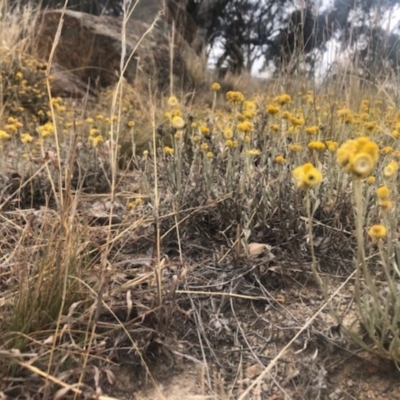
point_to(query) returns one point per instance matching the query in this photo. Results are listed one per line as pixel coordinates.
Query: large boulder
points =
(88, 52)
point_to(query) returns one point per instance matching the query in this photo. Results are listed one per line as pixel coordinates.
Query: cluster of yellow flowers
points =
(307, 176)
(358, 156)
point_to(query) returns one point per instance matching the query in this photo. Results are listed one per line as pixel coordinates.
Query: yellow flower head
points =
(26, 138)
(362, 165)
(228, 134)
(173, 101)
(249, 106)
(235, 97)
(178, 122)
(274, 127)
(395, 134)
(371, 180)
(386, 150)
(307, 176)
(168, 150)
(396, 155)
(204, 146)
(358, 157)
(391, 169)
(295, 148)
(279, 159)
(210, 155)
(317, 145)
(383, 193)
(96, 140)
(131, 124)
(286, 115)
(205, 130)
(215, 87)
(253, 152)
(385, 205)
(297, 121)
(377, 232)
(312, 130)
(332, 146)
(272, 110)
(283, 99)
(245, 126)
(4, 135)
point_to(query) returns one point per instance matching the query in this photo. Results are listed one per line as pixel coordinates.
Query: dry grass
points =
(143, 230)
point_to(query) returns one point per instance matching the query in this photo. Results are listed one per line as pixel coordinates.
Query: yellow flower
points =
(295, 148)
(286, 115)
(317, 145)
(312, 130)
(204, 146)
(178, 122)
(178, 135)
(228, 134)
(99, 117)
(131, 124)
(272, 110)
(90, 120)
(4, 135)
(168, 150)
(196, 139)
(94, 132)
(246, 139)
(275, 128)
(377, 232)
(248, 114)
(280, 159)
(383, 193)
(245, 126)
(371, 180)
(215, 87)
(307, 176)
(283, 99)
(229, 143)
(26, 138)
(358, 157)
(96, 140)
(395, 134)
(176, 113)
(210, 155)
(370, 126)
(391, 169)
(249, 106)
(297, 121)
(173, 101)
(362, 165)
(12, 128)
(332, 146)
(396, 155)
(385, 205)
(386, 150)
(205, 130)
(253, 152)
(235, 97)
(46, 129)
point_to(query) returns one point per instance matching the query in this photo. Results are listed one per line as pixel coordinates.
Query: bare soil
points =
(223, 343)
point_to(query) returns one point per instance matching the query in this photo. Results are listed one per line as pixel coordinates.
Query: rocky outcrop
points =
(89, 49)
